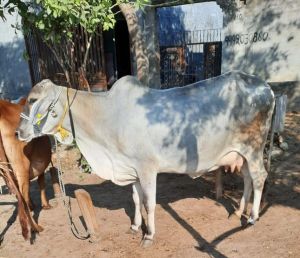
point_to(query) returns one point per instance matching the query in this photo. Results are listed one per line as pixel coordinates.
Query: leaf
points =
(25, 56)
(48, 11)
(41, 25)
(57, 20)
(105, 26)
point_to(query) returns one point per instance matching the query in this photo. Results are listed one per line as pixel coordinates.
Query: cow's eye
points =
(31, 101)
(53, 113)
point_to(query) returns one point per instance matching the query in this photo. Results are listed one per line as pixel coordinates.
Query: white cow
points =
(131, 133)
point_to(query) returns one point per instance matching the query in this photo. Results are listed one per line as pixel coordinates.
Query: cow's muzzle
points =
(22, 135)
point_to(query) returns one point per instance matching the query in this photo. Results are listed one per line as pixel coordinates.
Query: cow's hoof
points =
(53, 203)
(246, 225)
(37, 228)
(132, 231)
(47, 207)
(146, 243)
(250, 222)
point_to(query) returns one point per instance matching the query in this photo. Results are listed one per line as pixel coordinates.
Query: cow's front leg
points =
(137, 196)
(148, 185)
(44, 200)
(55, 181)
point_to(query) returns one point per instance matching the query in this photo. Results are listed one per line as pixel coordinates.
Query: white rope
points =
(24, 116)
(66, 199)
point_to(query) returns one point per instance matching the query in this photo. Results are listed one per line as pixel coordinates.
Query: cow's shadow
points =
(170, 188)
(10, 221)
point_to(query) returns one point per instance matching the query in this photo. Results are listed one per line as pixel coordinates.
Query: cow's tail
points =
(26, 221)
(270, 131)
(13, 188)
(271, 123)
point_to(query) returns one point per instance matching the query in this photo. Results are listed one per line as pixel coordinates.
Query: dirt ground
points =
(189, 222)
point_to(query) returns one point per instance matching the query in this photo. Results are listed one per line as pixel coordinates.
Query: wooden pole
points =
(219, 184)
(88, 212)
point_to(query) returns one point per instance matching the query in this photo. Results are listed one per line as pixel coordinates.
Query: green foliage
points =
(83, 165)
(56, 21)
(59, 18)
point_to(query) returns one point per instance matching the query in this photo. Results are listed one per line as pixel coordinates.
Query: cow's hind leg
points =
(137, 196)
(148, 186)
(247, 191)
(258, 174)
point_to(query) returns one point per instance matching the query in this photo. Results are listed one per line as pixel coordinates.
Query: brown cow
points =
(26, 220)
(27, 160)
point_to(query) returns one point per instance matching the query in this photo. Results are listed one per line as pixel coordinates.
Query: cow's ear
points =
(64, 136)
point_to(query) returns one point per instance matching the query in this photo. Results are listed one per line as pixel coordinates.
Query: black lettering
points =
(227, 40)
(246, 39)
(259, 38)
(237, 39)
(242, 38)
(254, 39)
(233, 39)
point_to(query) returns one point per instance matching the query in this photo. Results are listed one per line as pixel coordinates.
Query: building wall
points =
(174, 21)
(184, 32)
(263, 38)
(14, 71)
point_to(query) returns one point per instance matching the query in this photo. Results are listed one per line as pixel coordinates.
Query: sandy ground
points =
(189, 222)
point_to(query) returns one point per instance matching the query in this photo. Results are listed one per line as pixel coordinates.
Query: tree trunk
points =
(152, 46)
(136, 41)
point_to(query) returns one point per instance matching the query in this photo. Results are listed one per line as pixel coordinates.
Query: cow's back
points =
(191, 127)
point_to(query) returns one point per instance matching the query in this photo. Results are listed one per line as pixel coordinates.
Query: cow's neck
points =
(89, 110)
(86, 109)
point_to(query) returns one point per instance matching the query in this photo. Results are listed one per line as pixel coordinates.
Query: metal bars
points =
(198, 57)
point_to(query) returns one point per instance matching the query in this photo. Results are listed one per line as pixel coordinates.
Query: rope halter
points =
(35, 118)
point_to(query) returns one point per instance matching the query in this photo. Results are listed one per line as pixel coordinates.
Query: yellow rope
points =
(62, 131)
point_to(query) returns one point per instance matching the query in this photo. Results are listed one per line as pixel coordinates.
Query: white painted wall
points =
(175, 20)
(202, 16)
(14, 71)
(274, 53)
